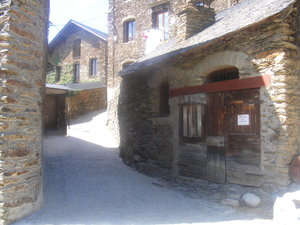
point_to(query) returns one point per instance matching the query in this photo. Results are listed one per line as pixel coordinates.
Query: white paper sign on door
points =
(243, 120)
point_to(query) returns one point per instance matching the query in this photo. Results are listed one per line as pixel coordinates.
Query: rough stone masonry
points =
(23, 32)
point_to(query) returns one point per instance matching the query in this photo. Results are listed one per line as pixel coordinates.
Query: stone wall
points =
(85, 101)
(23, 63)
(91, 47)
(266, 48)
(146, 138)
(194, 20)
(119, 52)
(220, 5)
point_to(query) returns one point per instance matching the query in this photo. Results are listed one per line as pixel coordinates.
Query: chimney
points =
(193, 18)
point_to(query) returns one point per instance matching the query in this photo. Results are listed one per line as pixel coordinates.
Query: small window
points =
(161, 22)
(93, 67)
(199, 4)
(76, 72)
(58, 73)
(129, 30)
(76, 48)
(192, 123)
(164, 108)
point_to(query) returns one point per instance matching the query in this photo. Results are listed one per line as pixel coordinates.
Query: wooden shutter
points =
(192, 128)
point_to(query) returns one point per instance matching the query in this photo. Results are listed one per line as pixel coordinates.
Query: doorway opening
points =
(233, 132)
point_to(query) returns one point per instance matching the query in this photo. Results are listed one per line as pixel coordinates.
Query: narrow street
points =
(85, 182)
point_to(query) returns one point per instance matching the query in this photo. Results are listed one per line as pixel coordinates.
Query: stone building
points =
(78, 55)
(245, 63)
(216, 101)
(80, 52)
(130, 20)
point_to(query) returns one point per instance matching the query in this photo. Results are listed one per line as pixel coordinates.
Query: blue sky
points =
(89, 12)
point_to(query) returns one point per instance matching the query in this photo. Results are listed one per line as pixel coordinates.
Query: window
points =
(58, 73)
(161, 22)
(164, 108)
(76, 72)
(192, 123)
(199, 4)
(129, 30)
(93, 67)
(76, 48)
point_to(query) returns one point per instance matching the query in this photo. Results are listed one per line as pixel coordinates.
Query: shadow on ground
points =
(86, 183)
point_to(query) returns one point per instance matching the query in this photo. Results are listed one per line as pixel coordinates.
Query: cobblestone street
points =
(87, 183)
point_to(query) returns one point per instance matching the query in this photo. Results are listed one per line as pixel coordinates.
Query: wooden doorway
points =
(51, 111)
(233, 137)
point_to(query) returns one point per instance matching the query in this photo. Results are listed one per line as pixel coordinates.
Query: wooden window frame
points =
(192, 123)
(163, 28)
(93, 67)
(129, 30)
(76, 48)
(76, 72)
(58, 71)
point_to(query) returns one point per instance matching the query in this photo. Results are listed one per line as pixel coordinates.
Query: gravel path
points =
(86, 183)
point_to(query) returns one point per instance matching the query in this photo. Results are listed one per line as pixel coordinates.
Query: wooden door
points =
(243, 137)
(216, 138)
(50, 111)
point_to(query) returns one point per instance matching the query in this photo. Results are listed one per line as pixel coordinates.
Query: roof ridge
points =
(91, 30)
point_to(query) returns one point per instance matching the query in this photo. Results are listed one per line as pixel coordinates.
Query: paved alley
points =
(86, 183)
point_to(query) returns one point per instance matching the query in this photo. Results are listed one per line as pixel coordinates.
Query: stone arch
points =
(128, 18)
(127, 63)
(221, 60)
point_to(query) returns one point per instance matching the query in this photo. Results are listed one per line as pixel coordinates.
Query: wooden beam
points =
(229, 85)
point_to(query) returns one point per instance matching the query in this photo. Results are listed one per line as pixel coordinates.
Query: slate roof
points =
(72, 27)
(228, 22)
(86, 86)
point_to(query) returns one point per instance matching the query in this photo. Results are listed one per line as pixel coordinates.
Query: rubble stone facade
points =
(85, 101)
(152, 143)
(23, 40)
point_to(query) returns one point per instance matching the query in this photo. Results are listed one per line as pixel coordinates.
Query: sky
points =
(92, 13)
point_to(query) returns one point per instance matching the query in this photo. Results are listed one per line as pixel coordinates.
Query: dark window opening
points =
(76, 48)
(230, 73)
(199, 4)
(161, 22)
(192, 128)
(93, 67)
(164, 108)
(129, 30)
(76, 68)
(58, 73)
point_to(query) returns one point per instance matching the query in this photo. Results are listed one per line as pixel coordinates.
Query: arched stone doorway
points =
(233, 131)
